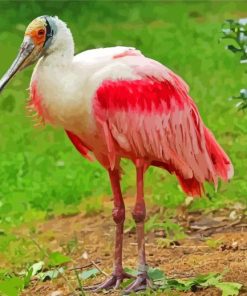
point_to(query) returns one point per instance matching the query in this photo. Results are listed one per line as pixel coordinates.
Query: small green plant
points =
(129, 225)
(92, 206)
(11, 286)
(236, 30)
(86, 274)
(152, 223)
(50, 274)
(164, 242)
(72, 245)
(173, 231)
(164, 284)
(213, 243)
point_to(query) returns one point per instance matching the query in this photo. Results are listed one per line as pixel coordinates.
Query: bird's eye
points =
(41, 32)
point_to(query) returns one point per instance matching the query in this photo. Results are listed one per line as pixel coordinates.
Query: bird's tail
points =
(191, 187)
(222, 167)
(221, 162)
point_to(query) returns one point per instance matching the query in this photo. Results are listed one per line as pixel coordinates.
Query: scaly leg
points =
(118, 215)
(139, 213)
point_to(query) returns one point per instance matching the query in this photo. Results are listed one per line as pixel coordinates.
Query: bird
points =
(115, 103)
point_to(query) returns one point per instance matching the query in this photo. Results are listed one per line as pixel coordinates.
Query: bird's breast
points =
(59, 100)
(36, 102)
(61, 103)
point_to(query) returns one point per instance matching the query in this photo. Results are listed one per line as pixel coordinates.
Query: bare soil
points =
(92, 239)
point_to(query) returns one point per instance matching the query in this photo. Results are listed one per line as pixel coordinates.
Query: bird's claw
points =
(111, 283)
(142, 282)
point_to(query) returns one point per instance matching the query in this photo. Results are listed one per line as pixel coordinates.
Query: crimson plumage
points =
(155, 119)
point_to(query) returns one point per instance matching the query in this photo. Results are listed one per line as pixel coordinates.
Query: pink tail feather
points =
(220, 160)
(221, 163)
(191, 186)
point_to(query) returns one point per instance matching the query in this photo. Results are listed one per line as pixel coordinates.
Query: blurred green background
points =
(41, 173)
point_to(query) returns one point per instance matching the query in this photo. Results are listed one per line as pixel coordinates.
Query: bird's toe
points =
(141, 283)
(113, 282)
(105, 285)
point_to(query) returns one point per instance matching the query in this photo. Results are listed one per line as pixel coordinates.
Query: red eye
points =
(41, 32)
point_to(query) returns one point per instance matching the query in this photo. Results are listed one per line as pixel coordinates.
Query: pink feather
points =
(154, 118)
(79, 145)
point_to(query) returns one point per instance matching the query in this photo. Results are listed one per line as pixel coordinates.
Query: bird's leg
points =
(118, 215)
(139, 213)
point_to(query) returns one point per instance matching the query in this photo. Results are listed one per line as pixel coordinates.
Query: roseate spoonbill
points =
(116, 103)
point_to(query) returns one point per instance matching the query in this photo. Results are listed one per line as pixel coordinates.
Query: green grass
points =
(42, 174)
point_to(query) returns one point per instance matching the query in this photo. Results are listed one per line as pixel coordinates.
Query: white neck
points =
(61, 51)
(60, 85)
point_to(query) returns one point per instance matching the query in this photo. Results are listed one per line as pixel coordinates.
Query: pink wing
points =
(79, 145)
(154, 118)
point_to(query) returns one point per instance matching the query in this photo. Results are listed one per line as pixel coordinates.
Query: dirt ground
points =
(92, 239)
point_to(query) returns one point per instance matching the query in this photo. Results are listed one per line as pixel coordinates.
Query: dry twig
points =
(84, 266)
(99, 269)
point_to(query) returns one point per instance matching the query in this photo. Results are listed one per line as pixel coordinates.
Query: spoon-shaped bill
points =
(22, 60)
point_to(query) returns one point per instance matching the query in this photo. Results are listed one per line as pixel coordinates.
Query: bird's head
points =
(38, 41)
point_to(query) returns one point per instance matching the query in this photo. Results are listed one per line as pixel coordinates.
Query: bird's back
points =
(105, 54)
(121, 62)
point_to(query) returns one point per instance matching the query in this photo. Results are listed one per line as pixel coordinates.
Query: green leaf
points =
(88, 274)
(156, 274)
(126, 283)
(229, 289)
(4, 274)
(36, 267)
(50, 274)
(56, 259)
(178, 285)
(131, 271)
(213, 243)
(11, 286)
(33, 270)
(200, 281)
(233, 48)
(207, 279)
(213, 279)
(27, 277)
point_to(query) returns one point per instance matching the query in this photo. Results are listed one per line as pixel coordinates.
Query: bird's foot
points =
(142, 282)
(110, 283)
